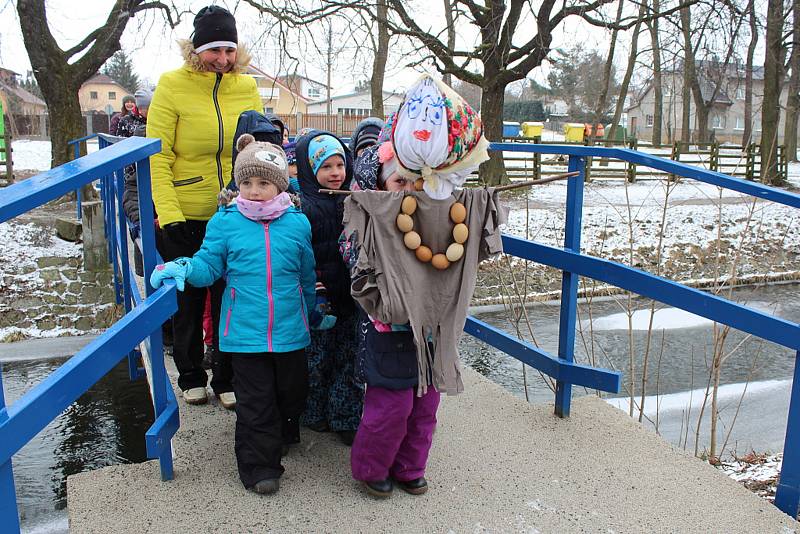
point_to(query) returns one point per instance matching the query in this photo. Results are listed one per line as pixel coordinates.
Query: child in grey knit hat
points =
(262, 245)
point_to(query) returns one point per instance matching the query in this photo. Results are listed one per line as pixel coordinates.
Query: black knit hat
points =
(214, 27)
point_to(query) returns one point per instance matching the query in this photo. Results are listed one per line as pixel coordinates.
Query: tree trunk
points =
(701, 113)
(493, 172)
(793, 100)
(601, 100)
(379, 62)
(658, 105)
(773, 78)
(626, 80)
(748, 76)
(688, 75)
(451, 36)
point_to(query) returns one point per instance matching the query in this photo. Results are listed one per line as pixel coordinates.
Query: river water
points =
(107, 425)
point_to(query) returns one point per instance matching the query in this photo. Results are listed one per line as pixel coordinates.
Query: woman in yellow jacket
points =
(194, 112)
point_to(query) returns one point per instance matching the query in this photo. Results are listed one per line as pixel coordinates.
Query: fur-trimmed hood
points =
(193, 60)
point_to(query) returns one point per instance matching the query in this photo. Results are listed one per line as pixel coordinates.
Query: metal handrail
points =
(568, 259)
(23, 419)
(574, 264)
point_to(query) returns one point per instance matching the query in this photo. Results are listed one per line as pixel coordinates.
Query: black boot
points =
(347, 436)
(418, 486)
(266, 487)
(381, 489)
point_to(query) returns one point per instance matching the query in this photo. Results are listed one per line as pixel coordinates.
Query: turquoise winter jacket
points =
(270, 276)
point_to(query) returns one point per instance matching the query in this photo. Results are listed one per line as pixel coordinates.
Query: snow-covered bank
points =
(36, 155)
(752, 429)
(665, 318)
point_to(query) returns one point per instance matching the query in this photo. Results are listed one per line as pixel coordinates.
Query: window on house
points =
(739, 123)
(93, 95)
(269, 92)
(718, 121)
(648, 121)
(740, 93)
(268, 110)
(314, 92)
(112, 95)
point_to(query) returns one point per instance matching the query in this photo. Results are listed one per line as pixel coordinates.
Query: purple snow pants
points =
(395, 434)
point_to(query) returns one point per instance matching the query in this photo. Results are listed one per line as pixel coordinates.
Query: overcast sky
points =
(151, 43)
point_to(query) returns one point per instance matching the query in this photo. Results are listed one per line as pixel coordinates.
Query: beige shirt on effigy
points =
(394, 287)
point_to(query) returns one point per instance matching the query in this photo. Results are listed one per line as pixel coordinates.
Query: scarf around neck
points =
(264, 210)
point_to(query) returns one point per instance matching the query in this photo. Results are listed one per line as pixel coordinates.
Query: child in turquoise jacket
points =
(261, 243)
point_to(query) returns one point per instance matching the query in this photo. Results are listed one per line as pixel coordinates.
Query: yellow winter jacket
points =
(194, 113)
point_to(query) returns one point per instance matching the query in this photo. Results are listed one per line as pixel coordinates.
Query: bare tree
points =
(748, 76)
(58, 72)
(379, 62)
(626, 79)
(710, 77)
(793, 100)
(359, 21)
(607, 73)
(688, 75)
(658, 107)
(773, 80)
(496, 61)
(451, 35)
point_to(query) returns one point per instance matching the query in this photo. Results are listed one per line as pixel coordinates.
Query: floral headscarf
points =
(438, 136)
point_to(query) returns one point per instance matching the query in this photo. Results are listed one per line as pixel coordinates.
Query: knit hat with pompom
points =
(259, 159)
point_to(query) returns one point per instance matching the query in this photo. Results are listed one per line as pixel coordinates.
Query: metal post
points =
(9, 515)
(787, 496)
(9, 157)
(569, 282)
(78, 191)
(159, 372)
(124, 291)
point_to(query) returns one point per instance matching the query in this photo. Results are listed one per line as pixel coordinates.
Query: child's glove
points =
(326, 323)
(178, 270)
(322, 305)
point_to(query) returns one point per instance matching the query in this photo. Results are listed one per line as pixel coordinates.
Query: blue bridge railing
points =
(160, 304)
(22, 420)
(574, 264)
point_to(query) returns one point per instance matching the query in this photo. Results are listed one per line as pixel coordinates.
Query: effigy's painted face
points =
(421, 132)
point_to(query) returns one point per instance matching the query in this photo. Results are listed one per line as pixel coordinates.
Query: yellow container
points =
(532, 129)
(573, 132)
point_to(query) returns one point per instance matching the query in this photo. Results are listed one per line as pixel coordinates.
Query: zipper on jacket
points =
(269, 288)
(221, 131)
(303, 311)
(230, 310)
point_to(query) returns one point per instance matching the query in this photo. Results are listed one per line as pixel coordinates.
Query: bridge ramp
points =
(498, 464)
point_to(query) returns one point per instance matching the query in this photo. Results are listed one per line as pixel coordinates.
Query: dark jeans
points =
(334, 397)
(271, 389)
(187, 323)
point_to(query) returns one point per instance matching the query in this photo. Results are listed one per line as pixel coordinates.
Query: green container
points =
(620, 134)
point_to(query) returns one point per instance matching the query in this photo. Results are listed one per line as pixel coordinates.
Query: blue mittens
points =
(326, 323)
(178, 270)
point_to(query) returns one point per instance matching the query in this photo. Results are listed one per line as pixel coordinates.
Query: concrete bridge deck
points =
(498, 464)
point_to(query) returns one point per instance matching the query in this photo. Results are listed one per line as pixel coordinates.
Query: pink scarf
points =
(264, 210)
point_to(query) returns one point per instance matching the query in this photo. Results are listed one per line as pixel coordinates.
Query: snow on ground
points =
(793, 173)
(35, 155)
(22, 244)
(664, 319)
(694, 213)
(757, 472)
(692, 401)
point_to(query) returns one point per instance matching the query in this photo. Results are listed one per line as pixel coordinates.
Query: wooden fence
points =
(733, 160)
(340, 124)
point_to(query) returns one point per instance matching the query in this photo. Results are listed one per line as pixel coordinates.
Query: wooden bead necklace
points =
(413, 241)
